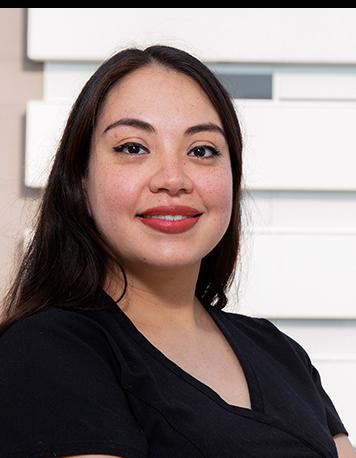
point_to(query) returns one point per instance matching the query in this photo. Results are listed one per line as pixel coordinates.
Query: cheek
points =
(217, 191)
(112, 193)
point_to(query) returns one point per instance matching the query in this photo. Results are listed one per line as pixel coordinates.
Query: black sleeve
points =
(334, 422)
(58, 393)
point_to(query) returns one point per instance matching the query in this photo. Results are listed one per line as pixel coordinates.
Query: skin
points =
(344, 446)
(162, 269)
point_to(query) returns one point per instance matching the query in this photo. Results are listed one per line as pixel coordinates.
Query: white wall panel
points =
(65, 81)
(318, 35)
(314, 86)
(299, 209)
(70, 33)
(321, 210)
(299, 145)
(299, 273)
(44, 125)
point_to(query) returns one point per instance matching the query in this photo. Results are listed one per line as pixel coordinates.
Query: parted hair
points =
(67, 257)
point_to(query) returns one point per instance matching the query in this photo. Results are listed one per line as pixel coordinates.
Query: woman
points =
(143, 205)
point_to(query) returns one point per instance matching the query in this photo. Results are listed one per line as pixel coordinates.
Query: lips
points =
(171, 210)
(169, 226)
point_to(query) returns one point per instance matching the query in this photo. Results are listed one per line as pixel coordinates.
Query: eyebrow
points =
(143, 125)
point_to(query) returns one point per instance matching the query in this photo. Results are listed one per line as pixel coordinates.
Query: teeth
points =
(167, 217)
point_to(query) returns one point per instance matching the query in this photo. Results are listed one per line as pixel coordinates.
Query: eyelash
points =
(120, 148)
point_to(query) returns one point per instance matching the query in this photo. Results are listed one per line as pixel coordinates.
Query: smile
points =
(170, 224)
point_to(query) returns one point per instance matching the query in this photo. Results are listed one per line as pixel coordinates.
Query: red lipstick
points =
(171, 210)
(171, 219)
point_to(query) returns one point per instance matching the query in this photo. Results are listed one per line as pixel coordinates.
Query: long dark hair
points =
(67, 258)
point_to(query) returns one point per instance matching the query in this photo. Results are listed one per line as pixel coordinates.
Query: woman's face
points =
(146, 152)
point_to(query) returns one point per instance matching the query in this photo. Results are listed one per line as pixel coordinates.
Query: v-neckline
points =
(255, 394)
(241, 350)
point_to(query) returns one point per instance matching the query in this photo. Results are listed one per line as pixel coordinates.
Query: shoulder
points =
(51, 333)
(254, 325)
(265, 334)
(250, 323)
(48, 321)
(35, 326)
(63, 319)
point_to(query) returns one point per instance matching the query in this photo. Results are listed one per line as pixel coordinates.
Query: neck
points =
(159, 297)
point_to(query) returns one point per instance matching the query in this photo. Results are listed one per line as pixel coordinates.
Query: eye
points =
(130, 148)
(201, 150)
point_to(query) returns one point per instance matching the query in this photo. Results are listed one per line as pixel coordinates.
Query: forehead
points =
(154, 92)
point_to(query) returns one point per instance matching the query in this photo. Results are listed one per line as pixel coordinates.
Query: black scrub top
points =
(89, 382)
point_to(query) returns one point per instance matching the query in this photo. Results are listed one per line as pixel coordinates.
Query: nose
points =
(171, 175)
